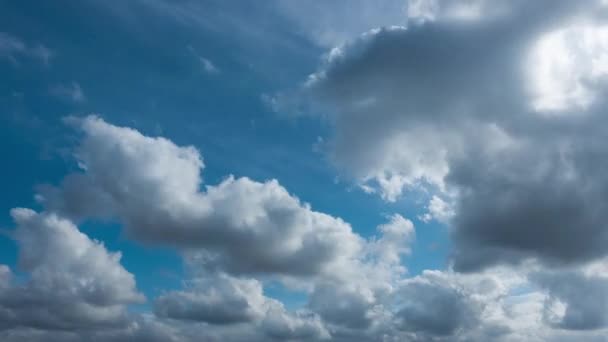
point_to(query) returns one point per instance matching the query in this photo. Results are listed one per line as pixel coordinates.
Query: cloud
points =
(459, 10)
(395, 239)
(72, 92)
(434, 307)
(13, 48)
(447, 105)
(439, 210)
(298, 326)
(345, 305)
(361, 293)
(209, 66)
(73, 283)
(75, 289)
(218, 299)
(576, 301)
(359, 302)
(456, 106)
(152, 186)
(10, 45)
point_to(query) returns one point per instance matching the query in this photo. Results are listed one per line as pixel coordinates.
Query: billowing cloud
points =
(361, 292)
(434, 307)
(300, 325)
(220, 299)
(216, 299)
(73, 283)
(153, 186)
(495, 112)
(576, 301)
(482, 112)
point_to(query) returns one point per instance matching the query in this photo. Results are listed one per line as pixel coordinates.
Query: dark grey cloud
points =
(215, 299)
(585, 298)
(453, 106)
(541, 201)
(436, 308)
(342, 306)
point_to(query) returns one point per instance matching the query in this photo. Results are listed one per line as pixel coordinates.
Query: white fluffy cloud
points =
(153, 187)
(567, 66)
(73, 282)
(230, 232)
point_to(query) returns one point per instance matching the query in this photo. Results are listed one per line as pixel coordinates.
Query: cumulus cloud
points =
(438, 209)
(496, 111)
(300, 325)
(482, 111)
(430, 305)
(576, 301)
(358, 293)
(221, 300)
(208, 66)
(153, 187)
(73, 283)
(240, 227)
(215, 299)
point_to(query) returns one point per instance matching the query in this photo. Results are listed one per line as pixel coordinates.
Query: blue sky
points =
(411, 123)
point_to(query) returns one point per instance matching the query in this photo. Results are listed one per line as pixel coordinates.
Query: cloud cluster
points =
(501, 116)
(73, 283)
(495, 111)
(357, 291)
(153, 187)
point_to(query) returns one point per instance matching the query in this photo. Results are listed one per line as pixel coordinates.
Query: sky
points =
(323, 170)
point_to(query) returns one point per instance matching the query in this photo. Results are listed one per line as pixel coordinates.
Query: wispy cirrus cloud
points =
(13, 48)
